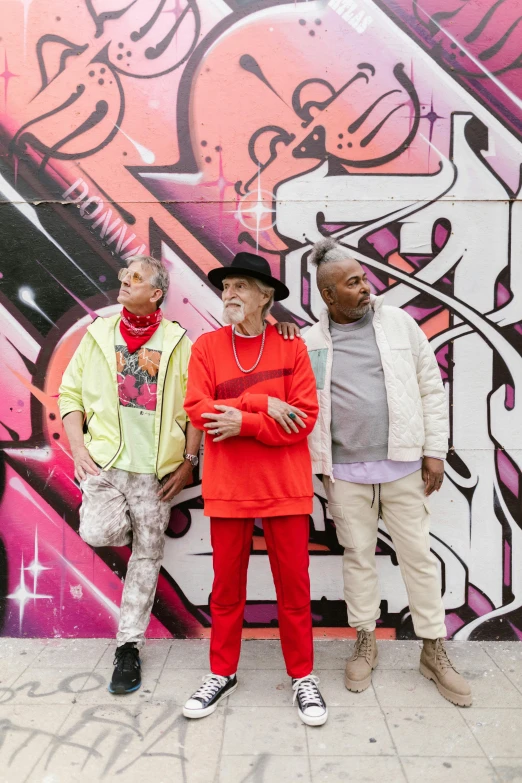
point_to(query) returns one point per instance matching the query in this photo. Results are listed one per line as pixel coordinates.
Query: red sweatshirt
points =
(264, 471)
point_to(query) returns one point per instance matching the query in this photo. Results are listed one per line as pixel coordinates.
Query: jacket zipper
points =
(163, 398)
(329, 345)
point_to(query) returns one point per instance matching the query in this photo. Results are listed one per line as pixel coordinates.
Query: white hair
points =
(269, 291)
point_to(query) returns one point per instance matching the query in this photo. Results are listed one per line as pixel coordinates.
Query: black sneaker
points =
(310, 704)
(126, 676)
(205, 700)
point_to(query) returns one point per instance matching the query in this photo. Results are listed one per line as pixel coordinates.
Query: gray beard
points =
(355, 312)
(233, 315)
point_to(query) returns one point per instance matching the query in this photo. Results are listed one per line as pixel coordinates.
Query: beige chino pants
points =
(404, 510)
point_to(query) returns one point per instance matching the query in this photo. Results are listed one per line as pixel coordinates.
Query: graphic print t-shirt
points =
(137, 375)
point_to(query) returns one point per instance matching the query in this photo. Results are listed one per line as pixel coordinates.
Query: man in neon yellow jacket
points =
(121, 402)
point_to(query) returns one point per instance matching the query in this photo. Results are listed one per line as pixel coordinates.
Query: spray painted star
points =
(23, 595)
(432, 118)
(221, 183)
(176, 10)
(36, 567)
(7, 76)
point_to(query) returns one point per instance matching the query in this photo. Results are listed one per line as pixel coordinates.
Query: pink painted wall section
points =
(192, 129)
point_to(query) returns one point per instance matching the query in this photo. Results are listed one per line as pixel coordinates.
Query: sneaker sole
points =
(318, 721)
(357, 686)
(122, 691)
(455, 698)
(194, 714)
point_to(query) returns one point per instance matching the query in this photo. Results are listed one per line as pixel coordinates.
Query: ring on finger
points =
(291, 415)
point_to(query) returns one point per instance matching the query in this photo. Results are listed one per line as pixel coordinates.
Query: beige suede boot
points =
(358, 672)
(436, 666)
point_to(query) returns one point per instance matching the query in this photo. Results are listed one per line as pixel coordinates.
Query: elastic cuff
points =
(256, 403)
(436, 455)
(250, 424)
(73, 410)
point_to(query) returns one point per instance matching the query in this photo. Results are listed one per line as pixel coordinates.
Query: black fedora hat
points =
(249, 265)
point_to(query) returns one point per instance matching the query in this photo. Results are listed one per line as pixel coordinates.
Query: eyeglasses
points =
(134, 276)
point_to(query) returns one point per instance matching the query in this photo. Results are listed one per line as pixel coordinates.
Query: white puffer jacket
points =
(416, 399)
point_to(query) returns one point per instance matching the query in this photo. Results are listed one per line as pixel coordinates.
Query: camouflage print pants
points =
(119, 508)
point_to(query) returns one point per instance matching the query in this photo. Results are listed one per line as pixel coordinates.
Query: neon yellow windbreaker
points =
(89, 385)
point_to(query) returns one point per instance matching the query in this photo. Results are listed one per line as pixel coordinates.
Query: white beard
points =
(233, 315)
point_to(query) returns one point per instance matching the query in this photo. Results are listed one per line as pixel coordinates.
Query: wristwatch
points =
(192, 458)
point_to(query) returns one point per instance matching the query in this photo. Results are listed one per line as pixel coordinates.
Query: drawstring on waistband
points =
(379, 507)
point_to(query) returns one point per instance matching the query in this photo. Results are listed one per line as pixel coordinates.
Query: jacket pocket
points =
(318, 358)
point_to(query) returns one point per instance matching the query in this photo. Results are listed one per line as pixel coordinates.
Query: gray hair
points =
(160, 277)
(328, 251)
(269, 291)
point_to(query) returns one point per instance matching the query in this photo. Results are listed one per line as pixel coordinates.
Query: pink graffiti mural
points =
(196, 128)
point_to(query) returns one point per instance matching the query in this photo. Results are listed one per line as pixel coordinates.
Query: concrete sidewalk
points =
(59, 724)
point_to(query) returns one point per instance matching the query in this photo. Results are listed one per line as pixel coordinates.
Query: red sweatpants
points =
(287, 545)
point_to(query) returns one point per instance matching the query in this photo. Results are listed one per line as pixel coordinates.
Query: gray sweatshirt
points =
(359, 401)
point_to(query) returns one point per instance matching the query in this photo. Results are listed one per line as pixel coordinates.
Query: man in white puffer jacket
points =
(379, 443)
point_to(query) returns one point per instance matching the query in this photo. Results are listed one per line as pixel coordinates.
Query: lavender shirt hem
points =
(379, 472)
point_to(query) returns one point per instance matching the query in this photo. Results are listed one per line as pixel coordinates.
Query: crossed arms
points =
(252, 415)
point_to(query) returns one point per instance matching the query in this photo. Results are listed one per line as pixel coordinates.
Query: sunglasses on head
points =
(134, 276)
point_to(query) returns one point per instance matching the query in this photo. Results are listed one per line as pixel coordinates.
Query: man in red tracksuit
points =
(254, 394)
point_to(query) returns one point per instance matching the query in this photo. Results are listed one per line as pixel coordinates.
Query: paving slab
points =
(262, 688)
(431, 732)
(448, 769)
(10, 671)
(492, 688)
(508, 657)
(469, 656)
(336, 694)
(405, 688)
(264, 767)
(499, 731)
(356, 769)
(351, 731)
(177, 685)
(188, 654)
(21, 650)
(59, 724)
(95, 690)
(26, 732)
(256, 653)
(39, 685)
(508, 770)
(250, 731)
(399, 655)
(331, 654)
(132, 744)
(64, 652)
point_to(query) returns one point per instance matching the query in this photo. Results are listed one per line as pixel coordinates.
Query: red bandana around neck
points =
(136, 330)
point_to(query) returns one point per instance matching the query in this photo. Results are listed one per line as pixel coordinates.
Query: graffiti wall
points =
(193, 129)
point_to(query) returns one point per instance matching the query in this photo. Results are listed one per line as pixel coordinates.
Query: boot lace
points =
(305, 688)
(126, 659)
(212, 683)
(441, 656)
(363, 646)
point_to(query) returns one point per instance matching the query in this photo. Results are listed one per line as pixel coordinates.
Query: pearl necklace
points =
(260, 352)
